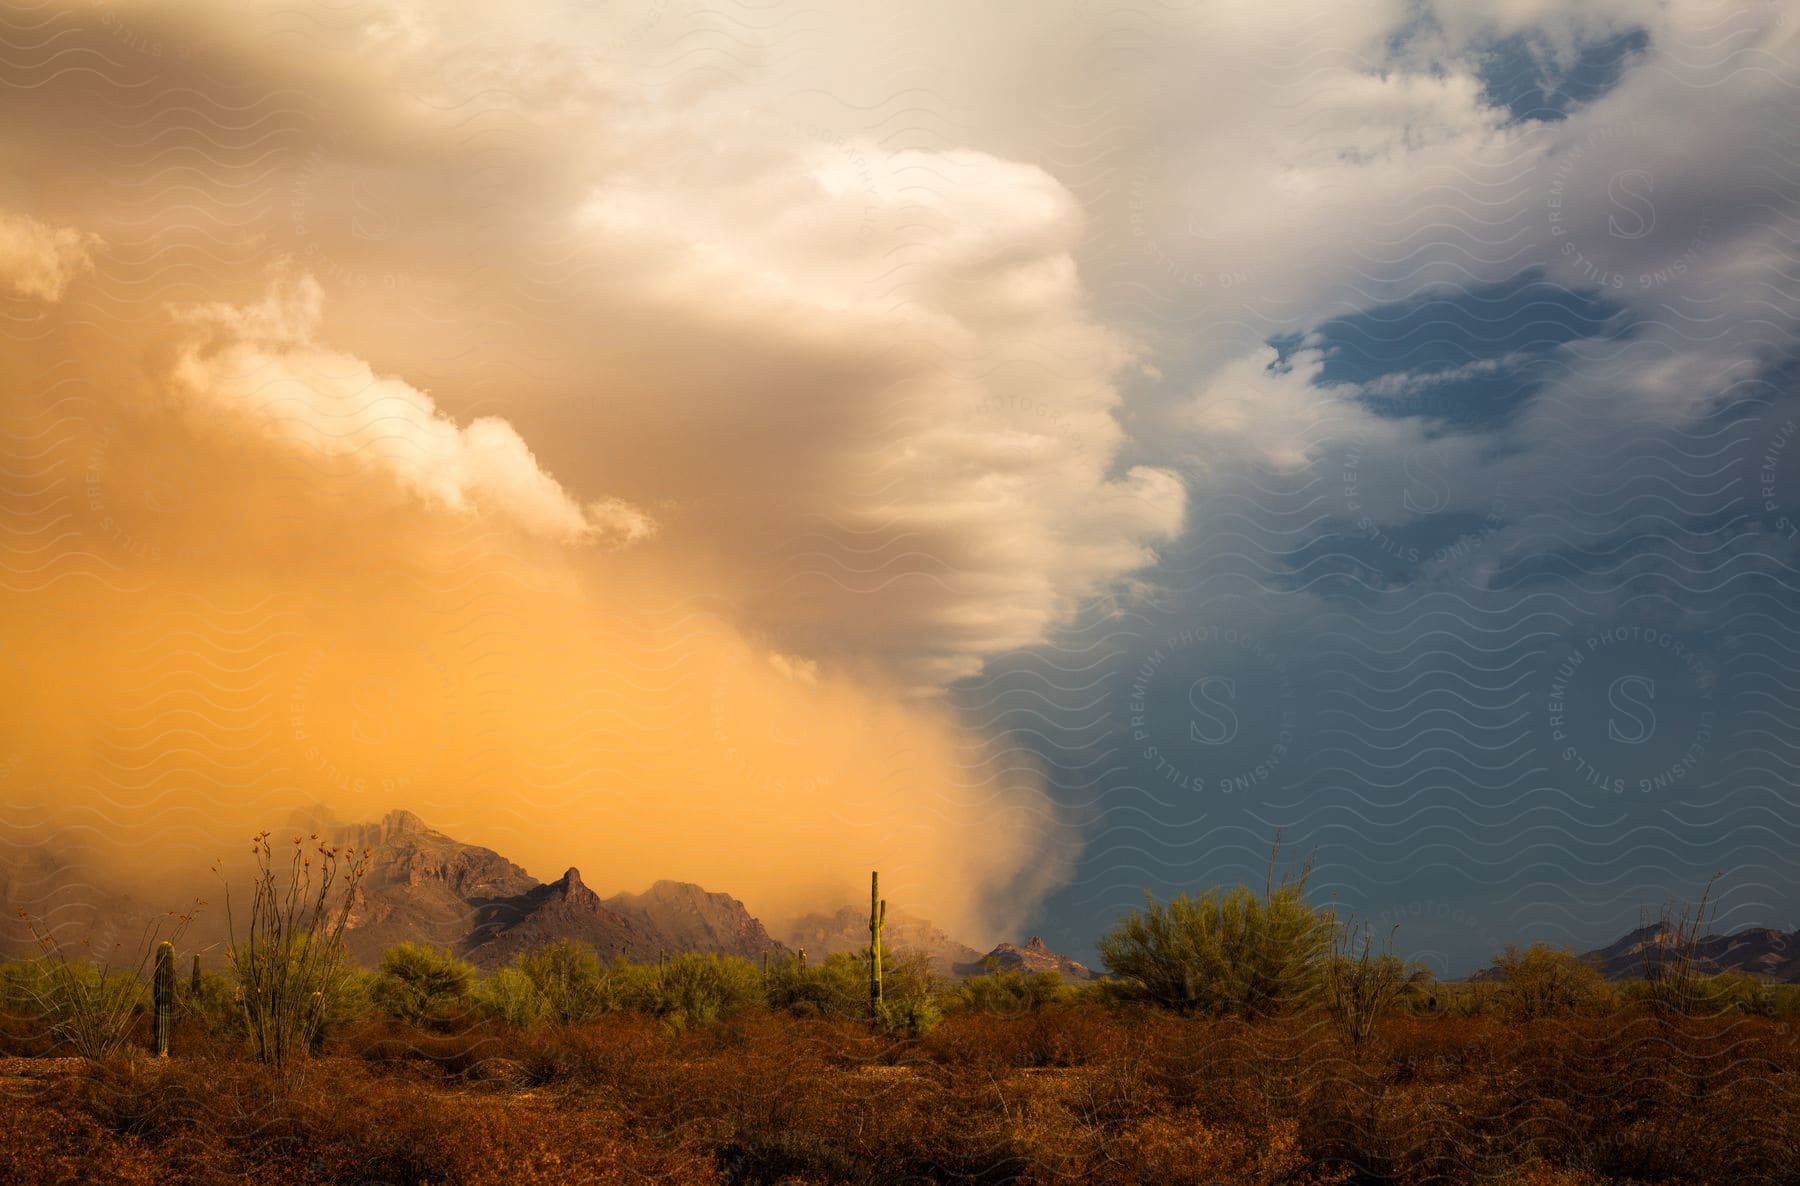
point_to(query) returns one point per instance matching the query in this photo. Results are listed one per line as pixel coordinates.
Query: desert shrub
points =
(1109, 992)
(24, 1030)
(68, 1147)
(1064, 1092)
(215, 1005)
(218, 1121)
(910, 993)
(90, 997)
(1544, 981)
(1224, 952)
(508, 995)
(353, 1001)
(1186, 1149)
(1784, 1000)
(89, 1006)
(604, 1051)
(1362, 980)
(418, 983)
(910, 1014)
(690, 989)
(1469, 998)
(1423, 993)
(570, 978)
(24, 987)
(469, 1047)
(1735, 992)
(1011, 992)
(838, 987)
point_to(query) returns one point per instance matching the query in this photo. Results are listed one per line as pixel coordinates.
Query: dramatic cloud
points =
(261, 362)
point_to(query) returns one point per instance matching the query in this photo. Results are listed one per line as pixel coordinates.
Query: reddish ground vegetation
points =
(1060, 1094)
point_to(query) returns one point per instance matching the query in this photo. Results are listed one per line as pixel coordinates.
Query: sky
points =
(1045, 451)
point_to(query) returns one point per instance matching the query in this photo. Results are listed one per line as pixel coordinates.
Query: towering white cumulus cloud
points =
(953, 497)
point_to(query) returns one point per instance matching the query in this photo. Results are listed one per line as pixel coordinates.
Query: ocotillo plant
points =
(163, 992)
(293, 946)
(877, 920)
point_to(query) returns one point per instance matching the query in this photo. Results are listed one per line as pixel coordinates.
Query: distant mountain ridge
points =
(1761, 951)
(691, 919)
(423, 885)
(1756, 951)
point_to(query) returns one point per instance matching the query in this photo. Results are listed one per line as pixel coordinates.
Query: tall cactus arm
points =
(162, 989)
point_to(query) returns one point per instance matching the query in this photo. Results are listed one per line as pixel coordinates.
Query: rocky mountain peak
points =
(401, 822)
(1762, 951)
(1034, 956)
(691, 918)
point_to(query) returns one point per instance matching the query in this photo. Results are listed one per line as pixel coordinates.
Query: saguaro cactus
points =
(194, 980)
(803, 959)
(162, 990)
(877, 920)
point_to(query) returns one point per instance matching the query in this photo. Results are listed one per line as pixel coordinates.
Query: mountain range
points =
(423, 885)
(1761, 951)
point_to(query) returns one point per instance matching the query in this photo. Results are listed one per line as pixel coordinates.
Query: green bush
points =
(1784, 1001)
(1224, 952)
(913, 1013)
(1736, 992)
(1011, 992)
(89, 1007)
(419, 984)
(570, 978)
(838, 987)
(1545, 981)
(509, 996)
(1469, 998)
(25, 988)
(215, 1006)
(691, 989)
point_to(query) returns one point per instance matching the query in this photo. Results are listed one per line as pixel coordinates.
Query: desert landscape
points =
(555, 1036)
(867, 592)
